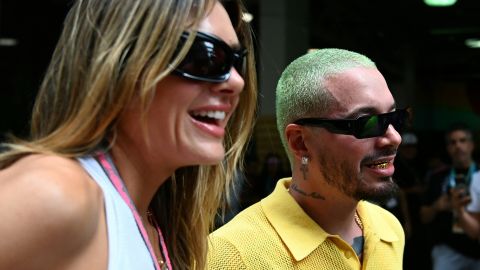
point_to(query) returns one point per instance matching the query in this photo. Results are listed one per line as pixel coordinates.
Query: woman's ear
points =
(295, 137)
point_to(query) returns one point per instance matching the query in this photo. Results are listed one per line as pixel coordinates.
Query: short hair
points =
(301, 89)
(458, 126)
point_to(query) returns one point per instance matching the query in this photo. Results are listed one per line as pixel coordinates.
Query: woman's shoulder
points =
(51, 178)
(47, 200)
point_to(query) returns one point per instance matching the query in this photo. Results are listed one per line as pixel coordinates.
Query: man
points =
(319, 218)
(445, 201)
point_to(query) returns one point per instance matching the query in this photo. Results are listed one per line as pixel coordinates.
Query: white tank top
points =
(126, 247)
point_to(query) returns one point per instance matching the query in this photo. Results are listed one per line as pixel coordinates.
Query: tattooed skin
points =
(314, 195)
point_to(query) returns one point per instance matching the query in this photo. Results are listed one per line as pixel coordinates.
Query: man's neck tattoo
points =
(313, 195)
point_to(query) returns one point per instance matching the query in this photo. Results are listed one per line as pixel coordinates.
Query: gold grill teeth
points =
(382, 165)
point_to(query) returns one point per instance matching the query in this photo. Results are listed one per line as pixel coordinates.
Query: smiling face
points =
(186, 120)
(359, 168)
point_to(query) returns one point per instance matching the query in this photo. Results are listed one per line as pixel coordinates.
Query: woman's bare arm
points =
(49, 212)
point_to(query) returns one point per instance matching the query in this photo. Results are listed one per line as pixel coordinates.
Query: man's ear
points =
(295, 136)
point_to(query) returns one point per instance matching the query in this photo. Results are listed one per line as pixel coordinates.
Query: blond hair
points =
(110, 52)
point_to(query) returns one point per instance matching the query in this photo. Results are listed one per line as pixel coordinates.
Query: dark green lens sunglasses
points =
(363, 127)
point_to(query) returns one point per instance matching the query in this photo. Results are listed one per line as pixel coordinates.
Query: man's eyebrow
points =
(367, 111)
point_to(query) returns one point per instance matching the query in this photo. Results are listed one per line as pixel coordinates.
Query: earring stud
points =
(304, 160)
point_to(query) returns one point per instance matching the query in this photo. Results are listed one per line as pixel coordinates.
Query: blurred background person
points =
(452, 247)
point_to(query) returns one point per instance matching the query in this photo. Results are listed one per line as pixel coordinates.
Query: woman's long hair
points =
(111, 52)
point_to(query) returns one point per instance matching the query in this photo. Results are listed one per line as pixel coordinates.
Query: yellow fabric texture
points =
(276, 233)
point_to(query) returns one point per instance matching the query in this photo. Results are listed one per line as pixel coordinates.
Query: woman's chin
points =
(212, 155)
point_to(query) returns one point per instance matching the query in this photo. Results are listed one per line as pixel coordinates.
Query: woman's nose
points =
(233, 85)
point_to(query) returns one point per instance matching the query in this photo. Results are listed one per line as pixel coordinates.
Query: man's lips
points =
(382, 167)
(381, 164)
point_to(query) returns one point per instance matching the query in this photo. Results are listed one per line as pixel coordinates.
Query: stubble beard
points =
(344, 177)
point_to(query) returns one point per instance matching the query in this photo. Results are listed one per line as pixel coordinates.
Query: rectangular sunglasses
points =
(209, 59)
(368, 126)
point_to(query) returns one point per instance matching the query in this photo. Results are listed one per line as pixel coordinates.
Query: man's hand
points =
(459, 198)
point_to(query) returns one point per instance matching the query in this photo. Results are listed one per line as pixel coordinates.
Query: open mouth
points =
(209, 117)
(379, 165)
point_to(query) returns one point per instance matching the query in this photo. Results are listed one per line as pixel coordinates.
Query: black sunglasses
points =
(209, 59)
(363, 127)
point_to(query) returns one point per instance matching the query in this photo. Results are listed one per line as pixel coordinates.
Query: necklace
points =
(117, 182)
(152, 221)
(358, 221)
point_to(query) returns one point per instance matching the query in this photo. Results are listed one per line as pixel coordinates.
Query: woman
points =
(131, 153)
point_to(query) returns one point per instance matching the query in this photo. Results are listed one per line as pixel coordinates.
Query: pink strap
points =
(164, 246)
(117, 182)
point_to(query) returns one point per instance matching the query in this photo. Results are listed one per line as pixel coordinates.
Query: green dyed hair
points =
(301, 90)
